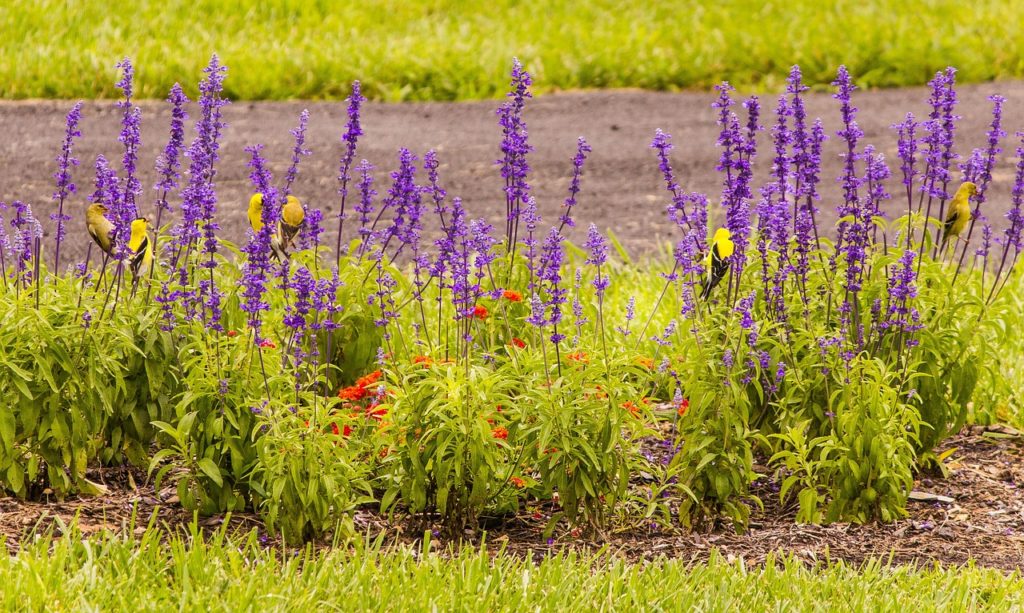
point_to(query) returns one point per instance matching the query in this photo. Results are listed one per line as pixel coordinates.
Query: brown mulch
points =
(983, 524)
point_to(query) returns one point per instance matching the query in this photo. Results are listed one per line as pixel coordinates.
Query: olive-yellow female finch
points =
(959, 214)
(292, 216)
(99, 227)
(722, 249)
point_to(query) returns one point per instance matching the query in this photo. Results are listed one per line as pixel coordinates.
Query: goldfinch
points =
(959, 214)
(255, 214)
(722, 248)
(292, 216)
(99, 226)
(141, 247)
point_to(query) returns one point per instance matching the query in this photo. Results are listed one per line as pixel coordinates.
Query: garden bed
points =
(984, 523)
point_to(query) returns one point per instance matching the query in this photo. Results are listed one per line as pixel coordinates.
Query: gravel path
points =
(622, 188)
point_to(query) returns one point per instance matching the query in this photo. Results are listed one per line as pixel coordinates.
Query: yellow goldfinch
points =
(722, 248)
(292, 216)
(99, 226)
(141, 248)
(255, 214)
(959, 214)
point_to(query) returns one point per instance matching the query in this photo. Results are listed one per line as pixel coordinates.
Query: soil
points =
(622, 187)
(983, 523)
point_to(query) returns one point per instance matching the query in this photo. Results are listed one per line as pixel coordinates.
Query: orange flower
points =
(631, 406)
(426, 360)
(500, 432)
(683, 406)
(647, 363)
(512, 296)
(517, 482)
(518, 342)
(352, 392)
(578, 356)
(368, 380)
(267, 344)
(232, 333)
(480, 312)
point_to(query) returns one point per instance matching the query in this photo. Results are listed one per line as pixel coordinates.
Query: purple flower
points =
(582, 149)
(738, 151)
(598, 255)
(745, 311)
(63, 176)
(515, 147)
(349, 140)
(851, 134)
(404, 198)
(365, 205)
(941, 128)
(26, 230)
(126, 210)
(297, 313)
(677, 213)
(106, 192)
(299, 150)
(168, 165)
(549, 275)
(1012, 234)
(437, 193)
(257, 264)
(630, 314)
(199, 200)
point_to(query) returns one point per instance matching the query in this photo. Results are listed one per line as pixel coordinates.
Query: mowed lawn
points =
(237, 574)
(452, 50)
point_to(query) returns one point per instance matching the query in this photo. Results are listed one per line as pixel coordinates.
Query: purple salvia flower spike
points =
(65, 187)
(353, 130)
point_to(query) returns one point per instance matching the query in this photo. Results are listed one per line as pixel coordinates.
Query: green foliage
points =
(75, 394)
(447, 50)
(308, 477)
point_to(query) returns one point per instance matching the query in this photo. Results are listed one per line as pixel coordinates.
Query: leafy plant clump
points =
(464, 374)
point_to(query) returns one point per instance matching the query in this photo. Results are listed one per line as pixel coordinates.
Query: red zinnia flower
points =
(352, 392)
(517, 482)
(368, 380)
(480, 312)
(512, 296)
(426, 360)
(232, 333)
(518, 342)
(267, 344)
(685, 404)
(500, 432)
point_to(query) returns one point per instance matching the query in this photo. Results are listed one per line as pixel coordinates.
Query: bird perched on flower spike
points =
(99, 227)
(959, 212)
(285, 229)
(292, 218)
(141, 246)
(722, 249)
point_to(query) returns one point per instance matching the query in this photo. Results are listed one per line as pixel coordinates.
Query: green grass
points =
(448, 50)
(189, 573)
